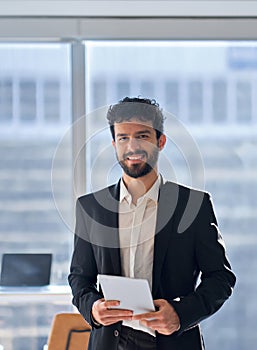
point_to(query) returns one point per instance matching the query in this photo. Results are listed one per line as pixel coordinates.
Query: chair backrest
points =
(69, 332)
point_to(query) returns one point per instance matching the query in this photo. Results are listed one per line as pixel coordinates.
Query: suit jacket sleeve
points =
(83, 269)
(217, 279)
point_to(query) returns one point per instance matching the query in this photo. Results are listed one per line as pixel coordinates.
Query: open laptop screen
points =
(26, 269)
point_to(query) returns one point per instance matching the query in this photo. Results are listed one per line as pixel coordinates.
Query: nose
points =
(133, 144)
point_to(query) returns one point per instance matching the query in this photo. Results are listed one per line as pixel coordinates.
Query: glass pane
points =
(195, 102)
(172, 96)
(209, 87)
(27, 100)
(6, 98)
(29, 217)
(147, 88)
(243, 101)
(219, 100)
(99, 94)
(123, 89)
(52, 101)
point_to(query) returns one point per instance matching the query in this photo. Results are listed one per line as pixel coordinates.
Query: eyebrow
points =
(137, 133)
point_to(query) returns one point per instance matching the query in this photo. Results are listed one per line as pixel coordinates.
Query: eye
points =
(122, 138)
(143, 136)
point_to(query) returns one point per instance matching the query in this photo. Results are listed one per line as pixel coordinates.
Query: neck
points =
(139, 186)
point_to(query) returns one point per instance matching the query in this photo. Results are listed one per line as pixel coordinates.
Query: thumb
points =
(159, 302)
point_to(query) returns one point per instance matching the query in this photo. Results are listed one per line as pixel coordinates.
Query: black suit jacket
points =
(188, 245)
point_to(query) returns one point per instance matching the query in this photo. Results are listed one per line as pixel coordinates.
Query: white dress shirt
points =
(136, 233)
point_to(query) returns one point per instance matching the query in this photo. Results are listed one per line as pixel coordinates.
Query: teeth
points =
(135, 158)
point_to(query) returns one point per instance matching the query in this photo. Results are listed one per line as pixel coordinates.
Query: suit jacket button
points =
(116, 333)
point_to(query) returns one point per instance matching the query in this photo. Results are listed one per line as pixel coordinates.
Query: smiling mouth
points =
(138, 157)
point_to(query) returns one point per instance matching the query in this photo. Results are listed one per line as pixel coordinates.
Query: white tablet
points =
(133, 294)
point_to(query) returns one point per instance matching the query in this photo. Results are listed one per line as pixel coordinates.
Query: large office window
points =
(207, 89)
(35, 110)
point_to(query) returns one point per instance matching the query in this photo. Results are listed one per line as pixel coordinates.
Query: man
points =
(146, 227)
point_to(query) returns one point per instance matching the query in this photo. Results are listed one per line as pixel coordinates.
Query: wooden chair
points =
(69, 332)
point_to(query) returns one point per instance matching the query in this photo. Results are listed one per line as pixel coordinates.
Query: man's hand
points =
(164, 321)
(104, 313)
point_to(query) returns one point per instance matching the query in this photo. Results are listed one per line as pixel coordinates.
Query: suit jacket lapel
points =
(114, 223)
(166, 206)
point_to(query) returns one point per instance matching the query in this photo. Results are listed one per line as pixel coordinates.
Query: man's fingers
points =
(99, 301)
(111, 303)
(110, 316)
(147, 315)
(150, 323)
(112, 320)
(108, 313)
(118, 312)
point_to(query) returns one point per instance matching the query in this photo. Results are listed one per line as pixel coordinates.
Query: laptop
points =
(25, 270)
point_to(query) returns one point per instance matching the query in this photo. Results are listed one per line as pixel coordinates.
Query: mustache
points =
(139, 152)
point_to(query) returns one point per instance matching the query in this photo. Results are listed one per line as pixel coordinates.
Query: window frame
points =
(76, 21)
(73, 28)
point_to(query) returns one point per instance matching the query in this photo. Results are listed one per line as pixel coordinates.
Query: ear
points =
(162, 141)
(114, 144)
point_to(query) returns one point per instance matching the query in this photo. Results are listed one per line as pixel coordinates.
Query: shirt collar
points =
(152, 193)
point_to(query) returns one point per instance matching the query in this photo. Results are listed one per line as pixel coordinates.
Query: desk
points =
(26, 314)
(49, 294)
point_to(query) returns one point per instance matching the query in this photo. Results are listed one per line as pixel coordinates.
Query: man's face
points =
(137, 148)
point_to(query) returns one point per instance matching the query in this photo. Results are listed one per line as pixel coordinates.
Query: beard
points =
(141, 169)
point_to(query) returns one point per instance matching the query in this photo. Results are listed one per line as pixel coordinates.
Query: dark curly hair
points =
(142, 109)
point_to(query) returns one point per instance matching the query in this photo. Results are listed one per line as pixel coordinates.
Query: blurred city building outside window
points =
(6, 98)
(219, 100)
(52, 101)
(35, 111)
